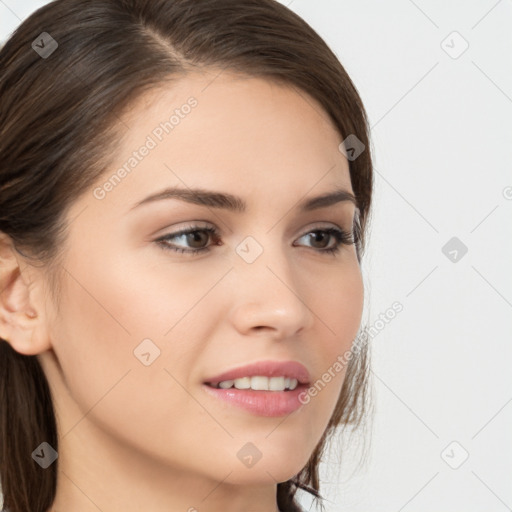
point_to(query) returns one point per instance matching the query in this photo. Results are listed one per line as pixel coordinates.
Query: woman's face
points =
(142, 326)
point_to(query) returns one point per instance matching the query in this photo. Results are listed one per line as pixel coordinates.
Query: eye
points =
(189, 235)
(320, 235)
(198, 237)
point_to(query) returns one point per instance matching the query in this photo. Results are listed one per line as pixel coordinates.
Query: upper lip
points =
(290, 369)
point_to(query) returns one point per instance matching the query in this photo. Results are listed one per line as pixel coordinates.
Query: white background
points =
(442, 147)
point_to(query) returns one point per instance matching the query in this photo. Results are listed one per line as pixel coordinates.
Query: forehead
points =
(233, 114)
(228, 132)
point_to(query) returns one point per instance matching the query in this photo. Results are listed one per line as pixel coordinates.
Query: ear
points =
(22, 309)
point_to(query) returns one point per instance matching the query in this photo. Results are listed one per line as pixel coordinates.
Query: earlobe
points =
(22, 322)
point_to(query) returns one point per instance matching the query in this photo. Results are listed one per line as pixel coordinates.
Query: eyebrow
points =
(221, 200)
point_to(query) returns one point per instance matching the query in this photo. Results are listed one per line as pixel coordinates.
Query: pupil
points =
(318, 235)
(195, 237)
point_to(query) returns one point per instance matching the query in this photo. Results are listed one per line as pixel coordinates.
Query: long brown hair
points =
(58, 113)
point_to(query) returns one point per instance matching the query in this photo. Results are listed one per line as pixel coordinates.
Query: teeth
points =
(260, 383)
(276, 384)
(243, 383)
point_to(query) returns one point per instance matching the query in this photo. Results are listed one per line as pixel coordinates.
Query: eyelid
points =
(342, 237)
(199, 225)
(186, 226)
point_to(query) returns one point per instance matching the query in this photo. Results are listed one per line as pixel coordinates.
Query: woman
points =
(185, 191)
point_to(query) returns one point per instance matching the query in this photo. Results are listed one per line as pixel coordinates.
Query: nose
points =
(269, 297)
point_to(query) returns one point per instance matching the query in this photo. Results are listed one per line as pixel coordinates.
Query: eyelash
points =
(342, 238)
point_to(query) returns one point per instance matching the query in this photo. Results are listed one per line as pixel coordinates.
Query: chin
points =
(259, 474)
(269, 465)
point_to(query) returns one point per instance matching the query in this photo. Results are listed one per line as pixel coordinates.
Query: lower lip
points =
(262, 403)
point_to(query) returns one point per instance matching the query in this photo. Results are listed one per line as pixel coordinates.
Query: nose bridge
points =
(267, 291)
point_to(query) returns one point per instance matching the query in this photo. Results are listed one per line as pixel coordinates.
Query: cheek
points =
(93, 346)
(339, 312)
(105, 316)
(115, 311)
(338, 305)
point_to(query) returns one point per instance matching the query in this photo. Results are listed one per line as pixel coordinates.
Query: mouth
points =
(258, 383)
(265, 388)
(258, 402)
(262, 376)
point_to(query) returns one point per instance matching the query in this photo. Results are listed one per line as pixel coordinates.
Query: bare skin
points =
(136, 437)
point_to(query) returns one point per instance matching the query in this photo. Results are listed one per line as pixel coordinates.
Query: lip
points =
(290, 369)
(262, 403)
